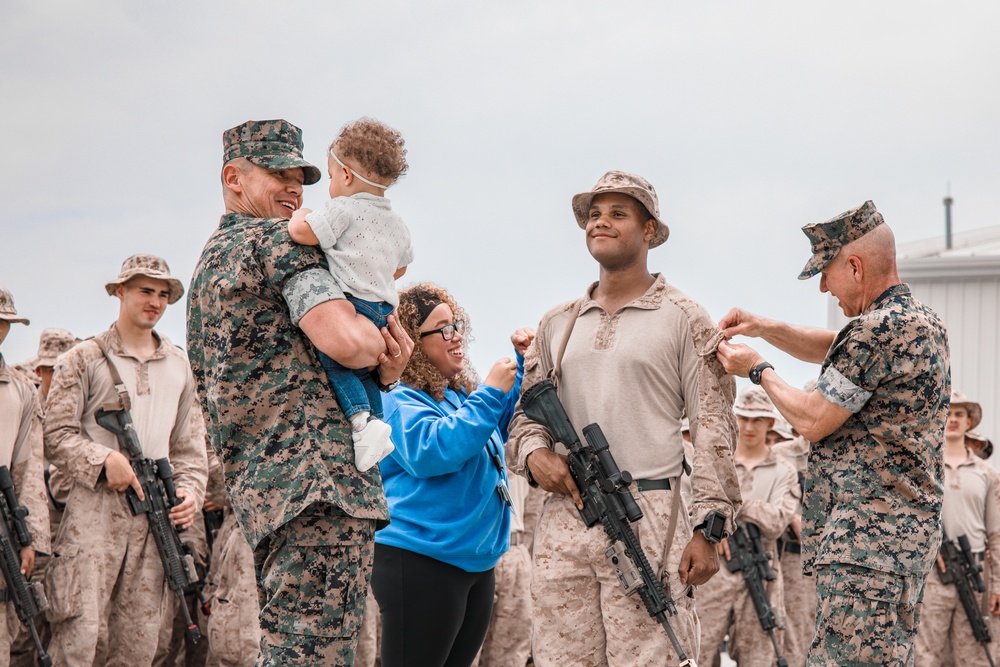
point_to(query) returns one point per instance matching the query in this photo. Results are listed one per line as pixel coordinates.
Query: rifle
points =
(606, 498)
(747, 555)
(157, 481)
(962, 570)
(28, 597)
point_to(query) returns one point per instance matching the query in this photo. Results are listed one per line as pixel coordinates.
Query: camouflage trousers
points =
(725, 605)
(582, 616)
(800, 609)
(864, 617)
(943, 621)
(233, 629)
(104, 582)
(508, 640)
(10, 626)
(312, 578)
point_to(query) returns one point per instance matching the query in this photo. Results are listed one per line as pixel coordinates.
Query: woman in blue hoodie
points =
(446, 484)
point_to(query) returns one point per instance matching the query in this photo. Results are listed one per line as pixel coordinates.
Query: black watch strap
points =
(713, 527)
(756, 371)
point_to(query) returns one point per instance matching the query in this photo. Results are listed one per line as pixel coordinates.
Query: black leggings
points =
(433, 614)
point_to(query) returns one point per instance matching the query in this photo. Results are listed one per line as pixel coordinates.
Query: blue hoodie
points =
(441, 480)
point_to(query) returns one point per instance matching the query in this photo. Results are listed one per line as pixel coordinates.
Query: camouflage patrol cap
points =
(960, 400)
(51, 344)
(827, 238)
(150, 266)
(271, 144)
(634, 186)
(7, 310)
(753, 402)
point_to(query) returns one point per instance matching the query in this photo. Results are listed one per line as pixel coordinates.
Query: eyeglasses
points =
(447, 331)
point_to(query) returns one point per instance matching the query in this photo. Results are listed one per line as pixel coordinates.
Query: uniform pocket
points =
(233, 638)
(62, 585)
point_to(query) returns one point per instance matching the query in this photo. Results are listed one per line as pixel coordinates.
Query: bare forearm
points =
(346, 337)
(810, 414)
(806, 343)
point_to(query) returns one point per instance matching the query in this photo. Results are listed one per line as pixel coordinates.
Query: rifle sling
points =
(675, 503)
(116, 378)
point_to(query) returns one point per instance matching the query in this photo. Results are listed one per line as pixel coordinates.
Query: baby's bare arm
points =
(399, 273)
(299, 229)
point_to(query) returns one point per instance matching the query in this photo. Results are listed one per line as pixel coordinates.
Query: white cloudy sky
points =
(751, 119)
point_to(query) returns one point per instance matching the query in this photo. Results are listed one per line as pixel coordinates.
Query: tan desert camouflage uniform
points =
(770, 493)
(974, 488)
(873, 488)
(105, 581)
(21, 452)
(308, 514)
(642, 360)
(799, 589)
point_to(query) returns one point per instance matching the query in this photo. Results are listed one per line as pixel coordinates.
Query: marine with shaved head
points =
(873, 488)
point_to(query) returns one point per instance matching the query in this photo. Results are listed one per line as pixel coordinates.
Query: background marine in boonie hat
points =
(271, 144)
(7, 310)
(753, 402)
(51, 344)
(827, 238)
(150, 266)
(634, 186)
(960, 400)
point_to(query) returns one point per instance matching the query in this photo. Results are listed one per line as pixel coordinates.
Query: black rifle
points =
(962, 570)
(606, 498)
(747, 555)
(28, 597)
(157, 482)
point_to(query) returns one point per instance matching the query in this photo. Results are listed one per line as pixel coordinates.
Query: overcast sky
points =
(750, 119)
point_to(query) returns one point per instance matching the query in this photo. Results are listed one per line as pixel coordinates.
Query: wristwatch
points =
(713, 527)
(757, 370)
(386, 388)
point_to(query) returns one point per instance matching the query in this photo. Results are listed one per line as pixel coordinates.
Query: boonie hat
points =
(979, 443)
(827, 238)
(782, 428)
(271, 144)
(753, 402)
(7, 310)
(51, 344)
(634, 186)
(150, 266)
(958, 399)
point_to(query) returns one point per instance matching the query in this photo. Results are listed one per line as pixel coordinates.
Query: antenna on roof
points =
(947, 218)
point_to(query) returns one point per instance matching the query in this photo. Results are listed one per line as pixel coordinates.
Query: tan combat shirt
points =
(770, 493)
(637, 372)
(21, 451)
(162, 393)
(971, 507)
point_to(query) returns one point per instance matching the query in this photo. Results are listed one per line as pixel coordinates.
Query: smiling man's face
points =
(272, 193)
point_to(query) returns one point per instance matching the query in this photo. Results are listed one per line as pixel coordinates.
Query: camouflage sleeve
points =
(187, 445)
(525, 435)
(993, 527)
(870, 352)
(29, 480)
(299, 273)
(709, 397)
(773, 515)
(66, 447)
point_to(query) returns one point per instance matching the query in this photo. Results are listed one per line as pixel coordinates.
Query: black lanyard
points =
(494, 449)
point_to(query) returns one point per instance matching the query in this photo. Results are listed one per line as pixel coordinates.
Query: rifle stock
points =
(962, 570)
(748, 557)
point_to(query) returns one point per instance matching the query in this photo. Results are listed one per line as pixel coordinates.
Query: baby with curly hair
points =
(367, 246)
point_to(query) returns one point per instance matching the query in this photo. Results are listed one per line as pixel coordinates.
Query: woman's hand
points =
(399, 347)
(522, 339)
(502, 375)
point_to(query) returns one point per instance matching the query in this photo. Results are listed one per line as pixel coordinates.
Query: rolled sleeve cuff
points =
(521, 466)
(308, 289)
(838, 389)
(89, 474)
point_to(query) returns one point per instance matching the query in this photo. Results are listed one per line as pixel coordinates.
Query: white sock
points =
(359, 419)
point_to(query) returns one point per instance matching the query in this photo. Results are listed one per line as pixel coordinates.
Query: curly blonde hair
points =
(376, 147)
(420, 373)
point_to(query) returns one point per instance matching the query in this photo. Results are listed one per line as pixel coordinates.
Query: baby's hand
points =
(299, 229)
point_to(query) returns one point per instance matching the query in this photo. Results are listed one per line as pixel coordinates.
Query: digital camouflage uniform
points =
(307, 513)
(21, 452)
(873, 487)
(799, 589)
